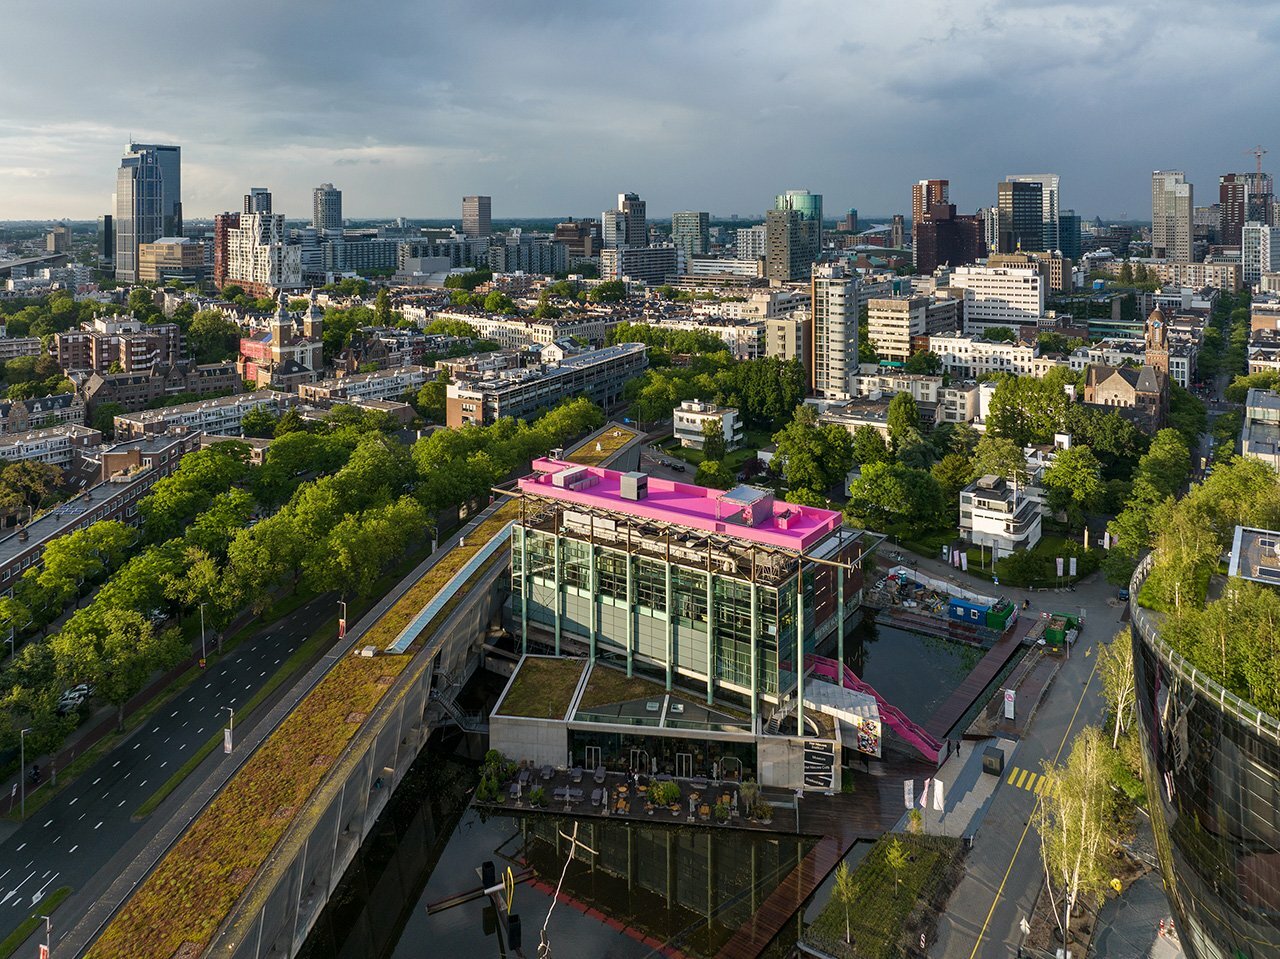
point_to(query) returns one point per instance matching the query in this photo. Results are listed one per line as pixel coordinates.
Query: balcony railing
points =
(1148, 627)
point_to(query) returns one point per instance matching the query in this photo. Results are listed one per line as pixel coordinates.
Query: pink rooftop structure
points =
(744, 512)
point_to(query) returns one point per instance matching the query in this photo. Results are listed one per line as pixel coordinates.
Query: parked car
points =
(1123, 594)
(678, 467)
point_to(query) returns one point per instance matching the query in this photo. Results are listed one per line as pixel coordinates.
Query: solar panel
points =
(1268, 573)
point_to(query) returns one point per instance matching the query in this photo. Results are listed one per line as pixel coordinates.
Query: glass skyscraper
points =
(148, 202)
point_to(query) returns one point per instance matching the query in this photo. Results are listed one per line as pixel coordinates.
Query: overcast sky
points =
(555, 107)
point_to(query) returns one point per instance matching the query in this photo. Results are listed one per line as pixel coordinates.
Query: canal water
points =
(634, 888)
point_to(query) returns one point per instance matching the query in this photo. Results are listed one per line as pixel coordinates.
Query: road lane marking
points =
(74, 801)
(99, 826)
(1027, 828)
(47, 825)
(156, 730)
(96, 781)
(163, 764)
(115, 764)
(20, 848)
(121, 803)
(73, 849)
(137, 744)
(173, 714)
(1021, 778)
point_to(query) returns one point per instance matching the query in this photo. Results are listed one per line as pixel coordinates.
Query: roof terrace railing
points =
(1148, 628)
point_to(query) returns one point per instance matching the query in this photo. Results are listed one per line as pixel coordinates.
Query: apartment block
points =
(390, 384)
(999, 296)
(893, 322)
(600, 375)
(221, 415)
(127, 344)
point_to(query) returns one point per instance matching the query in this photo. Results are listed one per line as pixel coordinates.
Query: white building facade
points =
(999, 296)
(692, 416)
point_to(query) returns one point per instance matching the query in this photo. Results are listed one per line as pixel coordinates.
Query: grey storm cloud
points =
(555, 108)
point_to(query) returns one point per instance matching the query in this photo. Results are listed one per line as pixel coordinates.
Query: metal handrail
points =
(1228, 702)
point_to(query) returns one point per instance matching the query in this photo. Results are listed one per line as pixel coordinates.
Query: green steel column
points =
(840, 622)
(595, 599)
(755, 679)
(711, 632)
(524, 591)
(631, 618)
(798, 665)
(556, 569)
(671, 628)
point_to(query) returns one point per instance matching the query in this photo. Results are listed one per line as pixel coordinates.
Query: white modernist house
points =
(995, 513)
(691, 418)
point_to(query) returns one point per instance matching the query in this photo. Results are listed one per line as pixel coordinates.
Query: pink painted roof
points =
(791, 526)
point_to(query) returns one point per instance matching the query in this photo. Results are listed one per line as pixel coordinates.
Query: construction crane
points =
(1258, 153)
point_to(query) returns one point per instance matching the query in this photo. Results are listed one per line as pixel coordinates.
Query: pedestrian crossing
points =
(1026, 779)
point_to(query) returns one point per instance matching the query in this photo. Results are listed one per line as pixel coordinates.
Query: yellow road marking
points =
(1031, 783)
(1021, 779)
(1012, 773)
(1027, 828)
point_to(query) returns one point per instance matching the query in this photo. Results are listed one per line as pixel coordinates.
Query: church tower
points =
(313, 319)
(1157, 342)
(281, 328)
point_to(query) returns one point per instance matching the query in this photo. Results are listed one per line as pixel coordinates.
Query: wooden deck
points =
(967, 693)
(840, 821)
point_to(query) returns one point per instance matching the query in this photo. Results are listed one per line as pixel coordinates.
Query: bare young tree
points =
(846, 892)
(1076, 821)
(1115, 665)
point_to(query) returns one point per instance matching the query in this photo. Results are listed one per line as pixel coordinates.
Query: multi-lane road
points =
(67, 841)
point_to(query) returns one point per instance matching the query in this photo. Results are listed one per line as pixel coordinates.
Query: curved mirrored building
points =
(1212, 769)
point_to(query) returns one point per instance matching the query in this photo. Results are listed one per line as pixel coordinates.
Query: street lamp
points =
(22, 766)
(202, 650)
(231, 727)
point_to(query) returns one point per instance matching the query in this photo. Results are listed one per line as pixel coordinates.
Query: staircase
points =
(890, 715)
(445, 697)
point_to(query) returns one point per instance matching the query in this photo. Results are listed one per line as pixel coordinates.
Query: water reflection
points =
(916, 673)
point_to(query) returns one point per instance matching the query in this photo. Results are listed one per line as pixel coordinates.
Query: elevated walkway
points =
(975, 684)
(890, 715)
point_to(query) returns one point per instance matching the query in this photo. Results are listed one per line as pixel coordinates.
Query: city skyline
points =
(419, 121)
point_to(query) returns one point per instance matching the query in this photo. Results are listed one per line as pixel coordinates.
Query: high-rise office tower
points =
(944, 239)
(925, 195)
(808, 205)
(257, 200)
(787, 254)
(1259, 251)
(626, 226)
(326, 207)
(223, 224)
(793, 235)
(689, 232)
(477, 217)
(1172, 203)
(849, 222)
(1069, 235)
(990, 217)
(1261, 199)
(106, 244)
(1233, 206)
(148, 202)
(833, 363)
(1048, 206)
(1020, 208)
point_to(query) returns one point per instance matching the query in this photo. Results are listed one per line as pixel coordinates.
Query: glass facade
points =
(1212, 770)
(671, 620)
